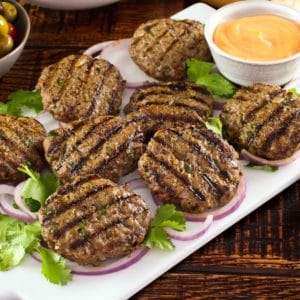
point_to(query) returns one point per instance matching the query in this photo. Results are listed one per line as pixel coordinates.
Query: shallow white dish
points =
(26, 283)
(71, 4)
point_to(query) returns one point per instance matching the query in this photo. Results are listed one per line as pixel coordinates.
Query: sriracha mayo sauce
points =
(262, 37)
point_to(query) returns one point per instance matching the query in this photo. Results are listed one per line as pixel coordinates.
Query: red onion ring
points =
(224, 211)
(19, 201)
(6, 205)
(7, 189)
(107, 267)
(96, 50)
(218, 105)
(47, 120)
(137, 183)
(218, 213)
(273, 163)
(187, 236)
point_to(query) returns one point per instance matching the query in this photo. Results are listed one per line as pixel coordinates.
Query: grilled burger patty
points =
(161, 47)
(79, 86)
(265, 120)
(20, 144)
(179, 94)
(91, 219)
(104, 145)
(191, 167)
(154, 117)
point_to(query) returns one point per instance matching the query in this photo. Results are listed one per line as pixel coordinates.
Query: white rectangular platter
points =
(25, 281)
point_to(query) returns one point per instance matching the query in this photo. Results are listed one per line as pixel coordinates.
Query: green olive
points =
(6, 44)
(9, 11)
(4, 28)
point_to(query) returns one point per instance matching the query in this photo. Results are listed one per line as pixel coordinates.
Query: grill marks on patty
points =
(20, 144)
(188, 166)
(161, 47)
(83, 223)
(105, 145)
(79, 86)
(264, 120)
(178, 94)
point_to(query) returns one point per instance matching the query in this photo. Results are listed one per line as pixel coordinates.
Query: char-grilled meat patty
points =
(20, 144)
(79, 86)
(192, 167)
(161, 47)
(105, 146)
(151, 118)
(91, 219)
(179, 94)
(265, 120)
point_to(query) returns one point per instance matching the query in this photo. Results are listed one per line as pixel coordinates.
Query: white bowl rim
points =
(23, 42)
(246, 5)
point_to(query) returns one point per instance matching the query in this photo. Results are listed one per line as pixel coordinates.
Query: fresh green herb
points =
(59, 82)
(21, 99)
(199, 72)
(262, 167)
(37, 188)
(18, 239)
(187, 168)
(294, 92)
(166, 217)
(54, 267)
(109, 150)
(215, 125)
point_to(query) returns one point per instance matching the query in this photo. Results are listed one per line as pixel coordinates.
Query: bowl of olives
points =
(14, 32)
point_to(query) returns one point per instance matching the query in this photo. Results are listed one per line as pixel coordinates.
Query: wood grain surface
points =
(258, 258)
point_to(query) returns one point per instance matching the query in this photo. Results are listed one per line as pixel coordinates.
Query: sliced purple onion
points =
(7, 189)
(19, 201)
(107, 267)
(137, 183)
(224, 211)
(273, 163)
(218, 105)
(6, 204)
(96, 50)
(47, 120)
(188, 235)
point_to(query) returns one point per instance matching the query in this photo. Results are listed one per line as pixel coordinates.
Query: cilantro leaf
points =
(10, 256)
(261, 167)
(217, 85)
(37, 188)
(20, 100)
(17, 239)
(54, 267)
(294, 92)
(158, 238)
(199, 72)
(166, 216)
(198, 68)
(215, 125)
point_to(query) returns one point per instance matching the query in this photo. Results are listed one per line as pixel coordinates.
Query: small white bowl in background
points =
(247, 72)
(22, 24)
(71, 4)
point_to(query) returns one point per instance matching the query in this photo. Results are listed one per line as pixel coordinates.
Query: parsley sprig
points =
(166, 217)
(200, 72)
(18, 239)
(37, 188)
(20, 100)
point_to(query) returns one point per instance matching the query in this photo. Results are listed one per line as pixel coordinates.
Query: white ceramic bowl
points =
(23, 28)
(71, 4)
(246, 72)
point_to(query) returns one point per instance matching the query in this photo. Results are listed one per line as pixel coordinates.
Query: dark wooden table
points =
(256, 258)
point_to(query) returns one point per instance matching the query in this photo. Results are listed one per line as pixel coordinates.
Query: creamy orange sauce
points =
(262, 37)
